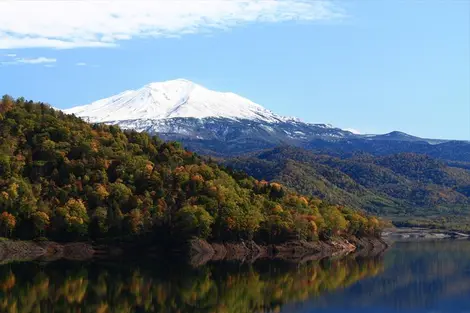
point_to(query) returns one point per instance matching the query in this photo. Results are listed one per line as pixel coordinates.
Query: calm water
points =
(410, 277)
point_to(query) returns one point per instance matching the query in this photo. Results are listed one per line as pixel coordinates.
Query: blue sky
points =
(374, 66)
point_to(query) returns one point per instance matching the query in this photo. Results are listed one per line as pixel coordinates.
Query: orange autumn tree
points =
(7, 223)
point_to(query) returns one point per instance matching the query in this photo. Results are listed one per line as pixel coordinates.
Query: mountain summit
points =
(223, 123)
(178, 98)
(185, 111)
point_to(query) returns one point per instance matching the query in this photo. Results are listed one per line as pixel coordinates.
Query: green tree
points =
(193, 220)
(98, 225)
(335, 222)
(74, 216)
(41, 221)
(5, 167)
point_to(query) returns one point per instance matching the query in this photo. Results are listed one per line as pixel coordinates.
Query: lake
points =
(410, 277)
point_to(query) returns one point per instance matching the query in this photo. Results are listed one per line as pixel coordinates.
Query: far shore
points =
(419, 233)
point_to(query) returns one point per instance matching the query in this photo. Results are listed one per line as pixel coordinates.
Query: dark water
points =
(410, 277)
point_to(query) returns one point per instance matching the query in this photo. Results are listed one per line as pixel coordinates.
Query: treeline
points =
(65, 179)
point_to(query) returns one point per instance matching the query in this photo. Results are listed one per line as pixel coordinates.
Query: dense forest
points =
(397, 186)
(65, 179)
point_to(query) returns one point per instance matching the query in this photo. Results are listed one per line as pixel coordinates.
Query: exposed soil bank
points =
(11, 251)
(202, 252)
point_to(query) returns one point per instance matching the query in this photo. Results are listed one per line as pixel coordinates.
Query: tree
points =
(305, 228)
(335, 222)
(7, 223)
(276, 191)
(135, 221)
(119, 196)
(5, 167)
(193, 220)
(75, 216)
(99, 226)
(41, 221)
(6, 104)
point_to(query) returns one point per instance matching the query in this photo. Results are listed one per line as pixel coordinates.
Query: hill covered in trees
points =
(398, 186)
(68, 180)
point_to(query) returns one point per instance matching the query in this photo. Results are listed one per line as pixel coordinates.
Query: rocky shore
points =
(12, 250)
(202, 251)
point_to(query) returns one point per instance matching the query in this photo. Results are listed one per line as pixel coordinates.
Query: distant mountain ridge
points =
(395, 185)
(223, 124)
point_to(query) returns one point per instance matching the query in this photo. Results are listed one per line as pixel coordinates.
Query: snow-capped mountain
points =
(185, 111)
(223, 123)
(178, 98)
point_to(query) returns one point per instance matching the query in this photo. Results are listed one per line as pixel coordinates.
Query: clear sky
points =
(375, 66)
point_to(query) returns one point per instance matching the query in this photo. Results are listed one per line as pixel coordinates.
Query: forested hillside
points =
(67, 180)
(400, 185)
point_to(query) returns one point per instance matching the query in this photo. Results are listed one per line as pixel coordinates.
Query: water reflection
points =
(161, 287)
(418, 277)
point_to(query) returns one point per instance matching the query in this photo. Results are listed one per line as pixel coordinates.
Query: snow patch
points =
(354, 131)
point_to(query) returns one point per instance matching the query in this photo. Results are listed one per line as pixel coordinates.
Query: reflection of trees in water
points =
(225, 287)
(417, 275)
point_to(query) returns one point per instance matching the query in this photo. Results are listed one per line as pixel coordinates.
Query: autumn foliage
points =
(65, 179)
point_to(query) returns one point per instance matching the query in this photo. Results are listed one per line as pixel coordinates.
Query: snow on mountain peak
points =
(170, 99)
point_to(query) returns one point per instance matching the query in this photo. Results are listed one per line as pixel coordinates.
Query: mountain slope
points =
(402, 184)
(449, 151)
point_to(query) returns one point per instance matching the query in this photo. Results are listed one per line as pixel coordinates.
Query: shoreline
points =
(420, 233)
(17, 250)
(199, 251)
(202, 252)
